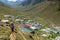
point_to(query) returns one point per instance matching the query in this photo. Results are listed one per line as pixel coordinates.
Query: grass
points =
(4, 34)
(43, 12)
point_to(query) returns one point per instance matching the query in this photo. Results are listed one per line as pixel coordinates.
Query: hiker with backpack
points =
(12, 26)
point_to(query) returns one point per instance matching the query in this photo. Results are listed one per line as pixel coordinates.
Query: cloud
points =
(12, 0)
(21, 0)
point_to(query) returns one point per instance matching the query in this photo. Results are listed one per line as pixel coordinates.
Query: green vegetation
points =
(45, 13)
(46, 10)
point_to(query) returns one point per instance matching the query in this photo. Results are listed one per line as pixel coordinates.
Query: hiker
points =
(0, 20)
(12, 26)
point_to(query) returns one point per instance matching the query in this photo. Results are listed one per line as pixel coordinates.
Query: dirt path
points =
(36, 37)
(12, 36)
(21, 33)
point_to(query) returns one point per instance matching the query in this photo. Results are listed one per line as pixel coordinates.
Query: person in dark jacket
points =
(12, 26)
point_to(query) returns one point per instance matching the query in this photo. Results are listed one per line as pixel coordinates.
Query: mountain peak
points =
(14, 3)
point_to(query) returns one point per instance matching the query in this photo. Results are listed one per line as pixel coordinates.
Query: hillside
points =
(46, 14)
(47, 10)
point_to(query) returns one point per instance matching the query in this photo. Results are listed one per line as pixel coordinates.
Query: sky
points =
(12, 2)
(16, 2)
(19, 2)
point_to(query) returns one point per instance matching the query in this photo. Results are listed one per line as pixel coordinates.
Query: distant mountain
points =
(47, 10)
(20, 2)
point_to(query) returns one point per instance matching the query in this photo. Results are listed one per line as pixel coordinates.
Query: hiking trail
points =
(12, 36)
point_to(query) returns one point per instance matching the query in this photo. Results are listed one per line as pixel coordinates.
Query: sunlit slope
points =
(47, 10)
